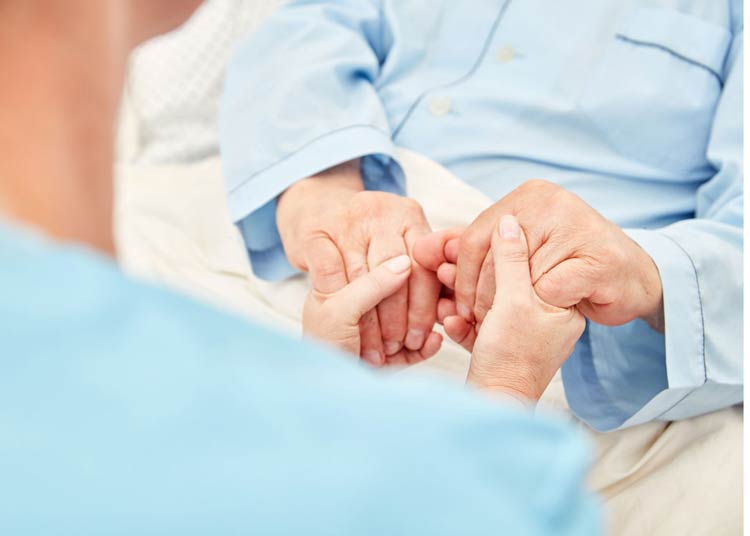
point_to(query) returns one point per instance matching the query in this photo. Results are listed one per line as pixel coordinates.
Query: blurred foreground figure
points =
(127, 409)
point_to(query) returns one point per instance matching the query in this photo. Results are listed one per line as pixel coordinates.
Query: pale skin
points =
(62, 64)
(521, 344)
(577, 258)
(335, 230)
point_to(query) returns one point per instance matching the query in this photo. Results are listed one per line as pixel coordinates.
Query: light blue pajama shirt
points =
(636, 106)
(127, 409)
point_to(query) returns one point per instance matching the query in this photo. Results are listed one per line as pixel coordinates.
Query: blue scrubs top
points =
(127, 409)
(634, 105)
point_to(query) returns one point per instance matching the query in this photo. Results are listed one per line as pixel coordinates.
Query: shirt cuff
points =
(683, 310)
(253, 202)
(626, 375)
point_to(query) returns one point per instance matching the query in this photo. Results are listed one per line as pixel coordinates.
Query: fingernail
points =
(372, 357)
(509, 227)
(463, 311)
(414, 339)
(391, 347)
(399, 264)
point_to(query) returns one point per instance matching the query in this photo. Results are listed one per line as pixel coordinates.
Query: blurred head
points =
(154, 17)
(62, 66)
(130, 21)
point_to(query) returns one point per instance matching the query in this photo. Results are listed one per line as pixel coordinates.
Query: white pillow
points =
(175, 83)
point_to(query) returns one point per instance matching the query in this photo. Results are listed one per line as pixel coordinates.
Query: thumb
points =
(366, 292)
(510, 253)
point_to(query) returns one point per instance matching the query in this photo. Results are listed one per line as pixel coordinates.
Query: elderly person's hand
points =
(523, 341)
(577, 258)
(334, 229)
(335, 317)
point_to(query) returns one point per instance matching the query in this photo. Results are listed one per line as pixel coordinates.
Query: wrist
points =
(652, 293)
(516, 384)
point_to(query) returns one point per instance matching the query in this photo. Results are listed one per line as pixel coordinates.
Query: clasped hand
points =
(512, 288)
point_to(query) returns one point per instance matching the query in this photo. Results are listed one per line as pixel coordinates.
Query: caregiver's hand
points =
(335, 230)
(335, 317)
(577, 257)
(523, 341)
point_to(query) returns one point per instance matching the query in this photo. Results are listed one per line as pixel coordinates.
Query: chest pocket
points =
(653, 93)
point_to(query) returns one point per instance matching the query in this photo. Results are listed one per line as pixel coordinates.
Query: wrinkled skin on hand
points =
(577, 258)
(334, 229)
(523, 341)
(335, 318)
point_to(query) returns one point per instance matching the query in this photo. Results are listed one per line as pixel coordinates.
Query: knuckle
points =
(472, 244)
(411, 204)
(547, 287)
(358, 270)
(327, 268)
(561, 202)
(481, 310)
(539, 184)
(413, 208)
(325, 264)
(317, 237)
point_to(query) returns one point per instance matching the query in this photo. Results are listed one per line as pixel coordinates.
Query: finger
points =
(451, 250)
(429, 249)
(431, 345)
(567, 284)
(392, 311)
(446, 308)
(460, 331)
(446, 274)
(364, 293)
(472, 250)
(326, 266)
(510, 253)
(406, 357)
(424, 292)
(485, 288)
(371, 343)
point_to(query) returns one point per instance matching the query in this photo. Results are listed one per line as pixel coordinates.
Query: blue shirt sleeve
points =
(628, 375)
(126, 409)
(299, 104)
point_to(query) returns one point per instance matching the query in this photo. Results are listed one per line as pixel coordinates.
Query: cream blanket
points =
(660, 478)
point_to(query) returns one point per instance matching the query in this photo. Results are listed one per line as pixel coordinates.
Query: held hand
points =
(335, 318)
(523, 341)
(332, 228)
(577, 258)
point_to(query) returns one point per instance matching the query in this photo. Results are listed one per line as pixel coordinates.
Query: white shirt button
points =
(505, 54)
(440, 106)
